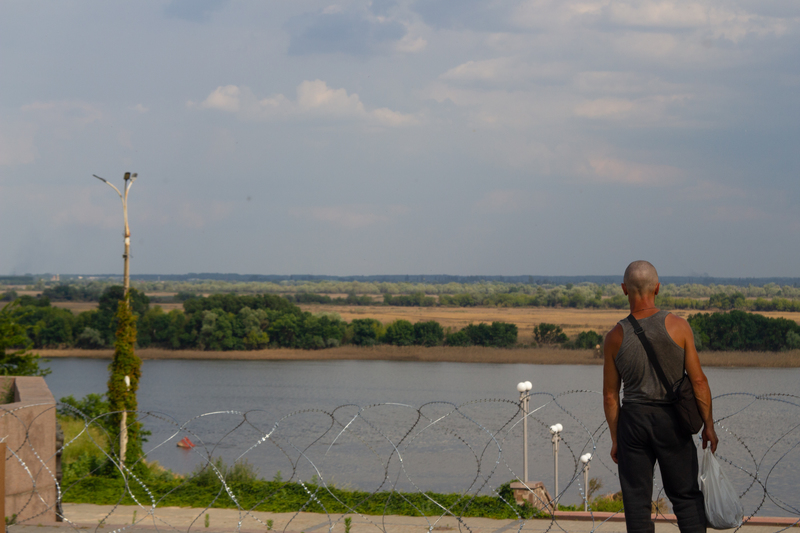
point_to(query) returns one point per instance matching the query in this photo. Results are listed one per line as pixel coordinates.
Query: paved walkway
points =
(86, 517)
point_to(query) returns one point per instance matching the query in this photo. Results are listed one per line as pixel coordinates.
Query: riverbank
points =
(438, 354)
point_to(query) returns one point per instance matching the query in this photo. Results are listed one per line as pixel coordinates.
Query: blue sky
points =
(389, 137)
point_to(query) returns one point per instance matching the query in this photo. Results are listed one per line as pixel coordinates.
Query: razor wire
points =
(393, 452)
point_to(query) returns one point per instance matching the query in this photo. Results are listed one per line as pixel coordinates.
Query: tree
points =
(400, 333)
(428, 333)
(13, 337)
(545, 333)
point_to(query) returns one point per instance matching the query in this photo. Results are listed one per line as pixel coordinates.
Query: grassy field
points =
(472, 354)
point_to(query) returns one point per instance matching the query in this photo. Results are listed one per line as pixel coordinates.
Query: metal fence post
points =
(3, 484)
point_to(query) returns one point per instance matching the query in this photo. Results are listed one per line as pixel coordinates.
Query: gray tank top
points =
(640, 383)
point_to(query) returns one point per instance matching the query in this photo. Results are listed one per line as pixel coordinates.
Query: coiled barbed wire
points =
(396, 449)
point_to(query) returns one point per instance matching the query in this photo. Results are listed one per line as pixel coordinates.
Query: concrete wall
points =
(29, 428)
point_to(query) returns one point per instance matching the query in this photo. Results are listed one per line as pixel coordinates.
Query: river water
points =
(347, 421)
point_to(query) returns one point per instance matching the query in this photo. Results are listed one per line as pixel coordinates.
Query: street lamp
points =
(523, 387)
(555, 430)
(126, 282)
(585, 458)
(129, 179)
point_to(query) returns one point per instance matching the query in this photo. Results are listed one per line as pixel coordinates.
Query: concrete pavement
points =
(107, 518)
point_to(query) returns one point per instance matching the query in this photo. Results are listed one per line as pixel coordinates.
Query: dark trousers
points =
(646, 433)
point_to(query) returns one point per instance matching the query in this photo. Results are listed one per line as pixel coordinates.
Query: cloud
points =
(314, 100)
(334, 30)
(613, 170)
(504, 71)
(721, 21)
(139, 108)
(350, 216)
(648, 109)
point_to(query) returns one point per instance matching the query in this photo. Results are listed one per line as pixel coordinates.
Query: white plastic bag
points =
(723, 508)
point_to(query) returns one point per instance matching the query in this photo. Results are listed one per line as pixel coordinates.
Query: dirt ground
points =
(472, 354)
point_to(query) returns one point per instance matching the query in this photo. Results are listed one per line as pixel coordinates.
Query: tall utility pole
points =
(129, 179)
(123, 424)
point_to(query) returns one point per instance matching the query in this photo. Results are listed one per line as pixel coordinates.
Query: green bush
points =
(738, 330)
(545, 333)
(428, 333)
(586, 340)
(400, 333)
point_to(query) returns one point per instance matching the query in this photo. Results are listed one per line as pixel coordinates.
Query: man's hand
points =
(709, 436)
(614, 452)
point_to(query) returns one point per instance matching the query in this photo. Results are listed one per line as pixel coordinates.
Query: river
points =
(475, 448)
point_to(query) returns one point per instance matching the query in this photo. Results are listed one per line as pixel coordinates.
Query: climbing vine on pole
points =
(121, 396)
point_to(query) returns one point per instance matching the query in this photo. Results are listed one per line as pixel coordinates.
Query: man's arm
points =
(611, 384)
(681, 332)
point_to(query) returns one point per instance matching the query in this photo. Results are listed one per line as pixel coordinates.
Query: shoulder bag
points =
(680, 394)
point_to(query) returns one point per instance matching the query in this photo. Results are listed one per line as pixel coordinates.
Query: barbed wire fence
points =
(438, 460)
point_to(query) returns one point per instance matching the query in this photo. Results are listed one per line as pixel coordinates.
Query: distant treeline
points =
(248, 322)
(435, 279)
(557, 297)
(353, 292)
(237, 322)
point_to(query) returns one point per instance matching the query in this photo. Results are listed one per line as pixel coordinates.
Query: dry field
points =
(80, 307)
(573, 321)
(473, 354)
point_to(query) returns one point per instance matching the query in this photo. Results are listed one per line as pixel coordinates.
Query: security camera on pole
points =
(555, 430)
(524, 387)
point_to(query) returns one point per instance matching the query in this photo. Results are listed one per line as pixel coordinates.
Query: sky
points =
(465, 137)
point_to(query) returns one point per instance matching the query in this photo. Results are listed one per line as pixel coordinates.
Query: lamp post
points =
(129, 179)
(524, 387)
(585, 458)
(555, 430)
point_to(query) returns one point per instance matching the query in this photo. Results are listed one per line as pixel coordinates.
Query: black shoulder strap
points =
(651, 354)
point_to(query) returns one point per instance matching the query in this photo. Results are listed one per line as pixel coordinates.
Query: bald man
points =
(645, 427)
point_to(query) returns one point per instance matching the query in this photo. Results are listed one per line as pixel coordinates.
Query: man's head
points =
(641, 279)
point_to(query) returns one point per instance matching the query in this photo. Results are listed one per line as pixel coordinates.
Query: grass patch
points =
(203, 488)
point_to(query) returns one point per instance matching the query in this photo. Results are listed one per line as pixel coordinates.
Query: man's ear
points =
(624, 289)
(658, 288)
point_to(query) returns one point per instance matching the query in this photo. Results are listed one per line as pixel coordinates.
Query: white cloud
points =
(721, 20)
(647, 109)
(223, 98)
(613, 170)
(314, 100)
(411, 44)
(502, 70)
(140, 108)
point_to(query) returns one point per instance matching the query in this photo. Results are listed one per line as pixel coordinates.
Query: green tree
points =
(15, 359)
(428, 333)
(366, 331)
(400, 333)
